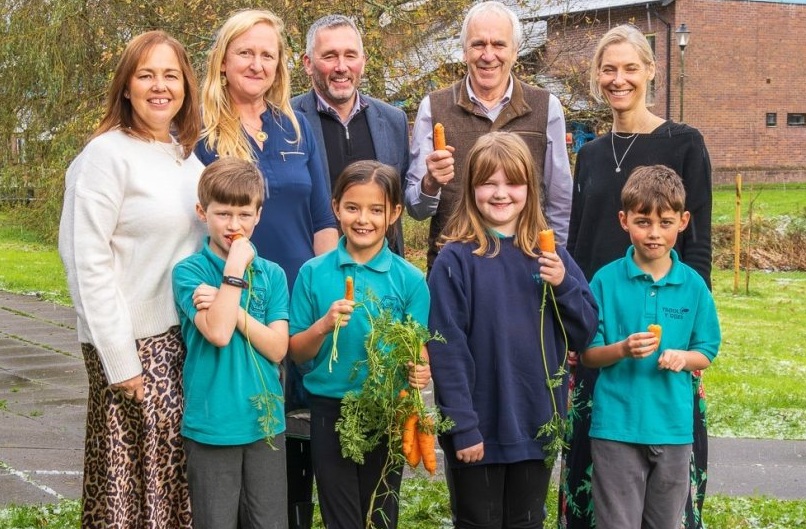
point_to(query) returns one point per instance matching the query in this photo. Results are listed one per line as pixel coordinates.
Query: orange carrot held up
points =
(545, 241)
(411, 448)
(439, 137)
(655, 329)
(349, 294)
(427, 442)
(349, 288)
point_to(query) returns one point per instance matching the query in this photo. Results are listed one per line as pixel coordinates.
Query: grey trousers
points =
(639, 486)
(242, 486)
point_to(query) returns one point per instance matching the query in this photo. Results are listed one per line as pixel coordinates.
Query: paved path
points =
(43, 391)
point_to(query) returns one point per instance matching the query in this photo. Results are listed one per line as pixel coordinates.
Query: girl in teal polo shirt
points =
(367, 200)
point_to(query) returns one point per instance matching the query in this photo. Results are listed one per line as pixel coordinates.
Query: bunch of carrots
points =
(419, 435)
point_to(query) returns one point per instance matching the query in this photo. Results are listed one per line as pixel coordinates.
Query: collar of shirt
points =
(493, 112)
(673, 277)
(324, 107)
(381, 262)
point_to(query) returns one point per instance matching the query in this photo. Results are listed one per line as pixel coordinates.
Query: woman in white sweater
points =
(128, 217)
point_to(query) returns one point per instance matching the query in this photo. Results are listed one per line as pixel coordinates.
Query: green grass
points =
(755, 387)
(425, 506)
(769, 200)
(28, 266)
(63, 515)
(722, 512)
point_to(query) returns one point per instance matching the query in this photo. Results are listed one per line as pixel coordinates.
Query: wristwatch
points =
(235, 281)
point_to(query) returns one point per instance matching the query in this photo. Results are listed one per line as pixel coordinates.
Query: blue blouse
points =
(297, 201)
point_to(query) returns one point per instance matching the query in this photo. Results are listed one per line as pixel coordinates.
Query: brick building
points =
(745, 72)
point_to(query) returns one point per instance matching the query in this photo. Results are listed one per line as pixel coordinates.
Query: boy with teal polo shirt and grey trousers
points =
(233, 311)
(641, 428)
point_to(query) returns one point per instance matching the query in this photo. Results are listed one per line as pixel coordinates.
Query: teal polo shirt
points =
(634, 401)
(220, 382)
(397, 285)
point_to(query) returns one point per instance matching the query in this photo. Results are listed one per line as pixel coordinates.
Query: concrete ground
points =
(43, 391)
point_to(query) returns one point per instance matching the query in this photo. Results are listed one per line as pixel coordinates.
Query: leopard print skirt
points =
(134, 462)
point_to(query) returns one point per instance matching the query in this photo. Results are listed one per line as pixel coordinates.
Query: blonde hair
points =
(618, 35)
(222, 128)
(120, 113)
(493, 151)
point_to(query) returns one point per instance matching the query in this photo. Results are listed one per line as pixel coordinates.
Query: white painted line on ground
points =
(54, 472)
(27, 478)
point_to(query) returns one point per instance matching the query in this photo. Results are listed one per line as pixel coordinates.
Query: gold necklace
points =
(173, 152)
(259, 134)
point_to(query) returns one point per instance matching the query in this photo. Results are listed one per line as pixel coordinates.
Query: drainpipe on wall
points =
(668, 56)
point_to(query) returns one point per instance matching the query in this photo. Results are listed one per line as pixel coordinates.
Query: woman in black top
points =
(621, 71)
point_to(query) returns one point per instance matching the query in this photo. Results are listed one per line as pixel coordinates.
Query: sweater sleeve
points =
(321, 212)
(695, 243)
(452, 364)
(95, 189)
(557, 173)
(578, 308)
(576, 206)
(419, 205)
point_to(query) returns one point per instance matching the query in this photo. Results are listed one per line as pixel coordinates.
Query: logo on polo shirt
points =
(675, 314)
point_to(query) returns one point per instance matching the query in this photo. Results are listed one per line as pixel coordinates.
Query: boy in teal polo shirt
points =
(641, 427)
(233, 310)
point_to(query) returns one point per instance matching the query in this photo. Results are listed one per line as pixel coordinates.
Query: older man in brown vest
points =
(489, 98)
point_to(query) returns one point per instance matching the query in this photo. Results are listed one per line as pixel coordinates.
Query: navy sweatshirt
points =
(489, 375)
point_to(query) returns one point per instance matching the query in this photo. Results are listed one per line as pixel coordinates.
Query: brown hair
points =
(653, 188)
(222, 127)
(231, 181)
(119, 111)
(491, 152)
(364, 172)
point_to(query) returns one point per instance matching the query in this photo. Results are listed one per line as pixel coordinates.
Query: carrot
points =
(410, 447)
(349, 294)
(439, 137)
(349, 288)
(234, 237)
(655, 329)
(545, 241)
(427, 442)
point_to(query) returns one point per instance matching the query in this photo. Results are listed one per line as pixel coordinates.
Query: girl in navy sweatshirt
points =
(509, 313)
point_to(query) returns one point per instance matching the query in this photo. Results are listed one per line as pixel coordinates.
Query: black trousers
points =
(300, 483)
(500, 496)
(348, 491)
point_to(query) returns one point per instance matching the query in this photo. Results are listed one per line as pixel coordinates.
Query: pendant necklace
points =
(259, 134)
(173, 151)
(613, 134)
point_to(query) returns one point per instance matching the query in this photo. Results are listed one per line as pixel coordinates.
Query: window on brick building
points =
(796, 120)
(772, 119)
(650, 93)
